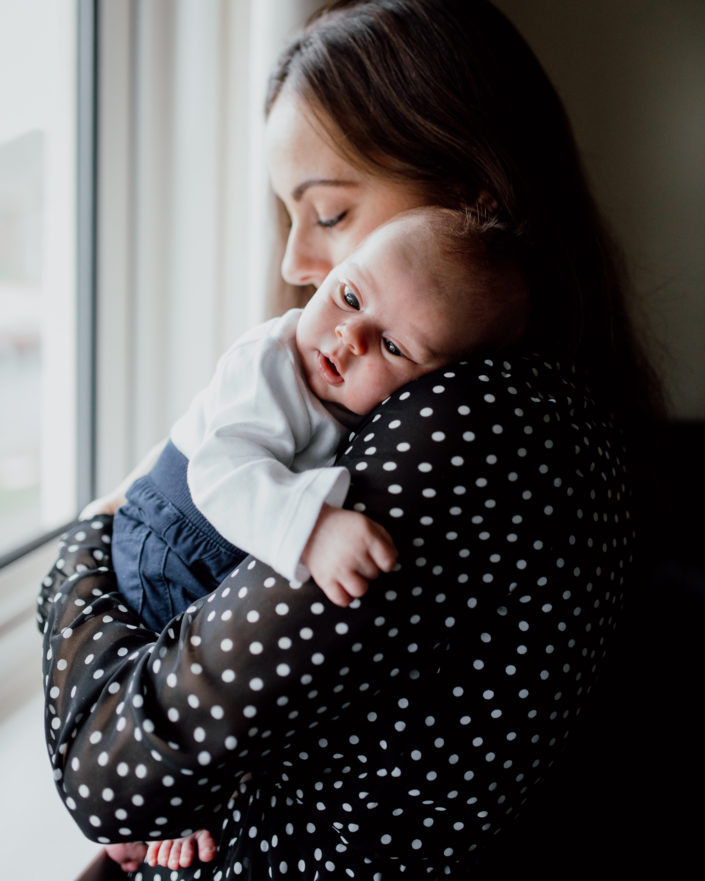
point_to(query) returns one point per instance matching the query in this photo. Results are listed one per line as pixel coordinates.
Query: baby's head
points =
(421, 291)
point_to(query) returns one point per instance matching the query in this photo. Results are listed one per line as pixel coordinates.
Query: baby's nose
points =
(352, 335)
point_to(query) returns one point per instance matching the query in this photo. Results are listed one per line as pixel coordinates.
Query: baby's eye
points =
(333, 221)
(350, 297)
(392, 348)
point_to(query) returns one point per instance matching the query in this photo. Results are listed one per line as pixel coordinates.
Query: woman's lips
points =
(328, 370)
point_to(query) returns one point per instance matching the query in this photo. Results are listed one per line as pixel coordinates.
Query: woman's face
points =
(332, 204)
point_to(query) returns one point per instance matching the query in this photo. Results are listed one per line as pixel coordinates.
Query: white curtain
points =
(186, 226)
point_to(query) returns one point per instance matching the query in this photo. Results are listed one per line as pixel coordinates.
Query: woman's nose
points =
(352, 335)
(301, 263)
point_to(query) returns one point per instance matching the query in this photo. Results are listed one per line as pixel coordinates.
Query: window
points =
(39, 275)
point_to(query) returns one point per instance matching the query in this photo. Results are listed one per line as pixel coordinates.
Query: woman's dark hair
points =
(446, 94)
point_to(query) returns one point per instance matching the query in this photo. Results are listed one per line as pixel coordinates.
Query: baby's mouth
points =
(329, 370)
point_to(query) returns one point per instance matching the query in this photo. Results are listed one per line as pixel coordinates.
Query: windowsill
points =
(40, 840)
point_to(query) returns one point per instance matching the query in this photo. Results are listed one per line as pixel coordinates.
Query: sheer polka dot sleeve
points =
(402, 732)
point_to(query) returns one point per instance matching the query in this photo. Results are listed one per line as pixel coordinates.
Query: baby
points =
(250, 463)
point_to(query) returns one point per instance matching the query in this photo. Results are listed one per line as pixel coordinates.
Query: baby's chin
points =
(355, 405)
(360, 406)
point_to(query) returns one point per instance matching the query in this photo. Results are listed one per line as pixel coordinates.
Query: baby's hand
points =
(345, 551)
(179, 853)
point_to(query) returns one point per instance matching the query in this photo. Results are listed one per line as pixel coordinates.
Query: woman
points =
(404, 734)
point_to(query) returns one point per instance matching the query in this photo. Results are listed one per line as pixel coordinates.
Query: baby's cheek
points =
(381, 381)
(363, 391)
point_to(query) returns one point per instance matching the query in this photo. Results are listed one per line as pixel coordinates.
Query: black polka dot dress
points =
(400, 736)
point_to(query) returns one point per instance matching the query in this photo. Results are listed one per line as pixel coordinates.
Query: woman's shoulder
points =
(517, 393)
(487, 440)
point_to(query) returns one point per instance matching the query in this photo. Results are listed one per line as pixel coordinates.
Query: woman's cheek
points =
(346, 243)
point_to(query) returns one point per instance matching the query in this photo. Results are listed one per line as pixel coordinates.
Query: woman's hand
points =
(129, 854)
(107, 504)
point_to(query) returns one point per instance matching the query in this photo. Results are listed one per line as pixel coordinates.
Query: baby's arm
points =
(175, 853)
(345, 551)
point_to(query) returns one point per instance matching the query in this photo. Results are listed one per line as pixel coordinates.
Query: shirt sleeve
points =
(129, 713)
(242, 437)
(405, 729)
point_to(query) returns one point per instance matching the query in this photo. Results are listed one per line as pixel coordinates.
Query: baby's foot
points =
(128, 854)
(175, 853)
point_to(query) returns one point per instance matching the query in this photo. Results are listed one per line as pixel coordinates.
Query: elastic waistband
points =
(169, 477)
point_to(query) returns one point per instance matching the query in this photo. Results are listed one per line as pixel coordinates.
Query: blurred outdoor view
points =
(21, 202)
(37, 267)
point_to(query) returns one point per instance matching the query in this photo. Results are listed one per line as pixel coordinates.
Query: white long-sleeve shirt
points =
(260, 445)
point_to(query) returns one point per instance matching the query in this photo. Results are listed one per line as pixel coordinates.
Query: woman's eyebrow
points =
(298, 191)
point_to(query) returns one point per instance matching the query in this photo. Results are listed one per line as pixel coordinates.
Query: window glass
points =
(38, 108)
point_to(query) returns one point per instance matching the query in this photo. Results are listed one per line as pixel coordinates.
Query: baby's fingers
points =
(152, 853)
(382, 551)
(159, 852)
(336, 593)
(206, 845)
(177, 852)
(355, 584)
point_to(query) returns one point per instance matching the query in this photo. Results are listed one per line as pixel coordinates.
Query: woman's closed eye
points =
(331, 222)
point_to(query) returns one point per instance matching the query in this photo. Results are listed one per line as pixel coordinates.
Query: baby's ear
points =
(487, 205)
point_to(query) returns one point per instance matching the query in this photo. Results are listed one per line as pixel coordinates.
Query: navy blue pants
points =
(165, 553)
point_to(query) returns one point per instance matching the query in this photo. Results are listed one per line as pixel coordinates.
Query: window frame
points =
(86, 257)
(86, 83)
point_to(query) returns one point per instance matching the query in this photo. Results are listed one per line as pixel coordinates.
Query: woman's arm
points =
(182, 714)
(461, 671)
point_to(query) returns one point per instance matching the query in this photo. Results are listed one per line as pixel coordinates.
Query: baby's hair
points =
(479, 256)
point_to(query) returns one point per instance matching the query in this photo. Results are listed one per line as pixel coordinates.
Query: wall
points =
(184, 229)
(632, 76)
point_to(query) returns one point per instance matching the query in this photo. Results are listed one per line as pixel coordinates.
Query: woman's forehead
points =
(299, 149)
